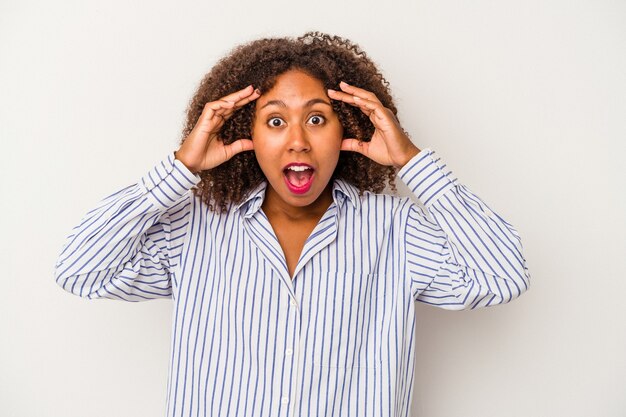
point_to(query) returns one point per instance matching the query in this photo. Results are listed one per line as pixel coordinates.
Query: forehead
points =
(294, 86)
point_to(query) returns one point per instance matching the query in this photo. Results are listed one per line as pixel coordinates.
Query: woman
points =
(293, 277)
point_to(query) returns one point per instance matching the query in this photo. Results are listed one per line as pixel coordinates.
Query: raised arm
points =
(460, 254)
(127, 246)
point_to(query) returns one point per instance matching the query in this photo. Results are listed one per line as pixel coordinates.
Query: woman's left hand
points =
(389, 144)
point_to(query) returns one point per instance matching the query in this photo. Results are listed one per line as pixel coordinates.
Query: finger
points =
(238, 146)
(218, 105)
(229, 112)
(214, 108)
(211, 118)
(340, 95)
(361, 102)
(376, 111)
(355, 145)
(359, 92)
(367, 106)
(255, 94)
(238, 95)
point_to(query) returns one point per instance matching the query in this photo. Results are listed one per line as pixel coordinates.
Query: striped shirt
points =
(337, 339)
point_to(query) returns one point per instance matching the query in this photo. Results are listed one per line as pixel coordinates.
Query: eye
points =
(275, 122)
(317, 119)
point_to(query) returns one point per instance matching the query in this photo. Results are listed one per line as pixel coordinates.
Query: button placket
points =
(291, 357)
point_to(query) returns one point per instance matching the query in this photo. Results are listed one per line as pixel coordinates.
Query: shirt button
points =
(288, 352)
(293, 302)
(284, 400)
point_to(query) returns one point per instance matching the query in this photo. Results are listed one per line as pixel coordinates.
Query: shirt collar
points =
(252, 202)
(342, 191)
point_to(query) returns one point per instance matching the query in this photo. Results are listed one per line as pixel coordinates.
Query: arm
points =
(127, 246)
(460, 254)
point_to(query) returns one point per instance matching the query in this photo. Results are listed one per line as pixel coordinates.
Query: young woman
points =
(293, 277)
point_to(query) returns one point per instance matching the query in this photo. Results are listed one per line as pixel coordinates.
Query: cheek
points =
(331, 155)
(339, 135)
(265, 154)
(262, 143)
(262, 153)
(336, 139)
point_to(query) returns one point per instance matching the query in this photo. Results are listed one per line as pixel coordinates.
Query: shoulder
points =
(199, 208)
(371, 203)
(387, 199)
(395, 210)
(392, 205)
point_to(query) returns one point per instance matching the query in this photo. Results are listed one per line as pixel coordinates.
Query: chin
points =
(301, 200)
(281, 191)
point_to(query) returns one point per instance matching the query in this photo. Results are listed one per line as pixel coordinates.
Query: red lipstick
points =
(298, 177)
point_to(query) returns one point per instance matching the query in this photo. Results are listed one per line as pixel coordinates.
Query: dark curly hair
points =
(330, 59)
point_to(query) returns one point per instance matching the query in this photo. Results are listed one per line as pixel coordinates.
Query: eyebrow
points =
(307, 104)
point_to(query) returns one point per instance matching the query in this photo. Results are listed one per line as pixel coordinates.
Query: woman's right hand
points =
(203, 149)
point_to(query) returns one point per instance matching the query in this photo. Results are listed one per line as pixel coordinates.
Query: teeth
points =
(298, 168)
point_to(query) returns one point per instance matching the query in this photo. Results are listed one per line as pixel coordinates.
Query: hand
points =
(202, 149)
(389, 144)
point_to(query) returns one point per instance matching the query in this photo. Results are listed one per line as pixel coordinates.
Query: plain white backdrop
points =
(525, 100)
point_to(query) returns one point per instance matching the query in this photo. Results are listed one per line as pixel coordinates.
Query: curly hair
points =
(330, 59)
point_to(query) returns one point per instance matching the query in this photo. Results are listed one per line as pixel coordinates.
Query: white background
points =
(525, 101)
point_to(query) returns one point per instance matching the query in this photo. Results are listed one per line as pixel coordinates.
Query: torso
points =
(292, 235)
(293, 225)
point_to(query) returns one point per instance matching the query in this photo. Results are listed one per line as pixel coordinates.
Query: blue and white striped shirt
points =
(338, 338)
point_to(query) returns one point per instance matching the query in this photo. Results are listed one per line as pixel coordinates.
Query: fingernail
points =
(330, 90)
(343, 82)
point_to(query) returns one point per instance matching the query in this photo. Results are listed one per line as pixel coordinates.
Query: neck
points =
(273, 205)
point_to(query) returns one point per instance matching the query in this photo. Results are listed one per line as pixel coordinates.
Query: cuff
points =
(168, 181)
(427, 176)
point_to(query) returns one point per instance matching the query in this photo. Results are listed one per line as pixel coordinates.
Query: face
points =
(297, 139)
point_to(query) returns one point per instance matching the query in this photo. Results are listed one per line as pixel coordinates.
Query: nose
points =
(298, 139)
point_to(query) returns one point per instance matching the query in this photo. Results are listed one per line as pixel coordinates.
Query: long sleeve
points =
(460, 254)
(126, 247)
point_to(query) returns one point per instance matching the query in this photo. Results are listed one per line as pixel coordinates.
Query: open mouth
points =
(299, 177)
